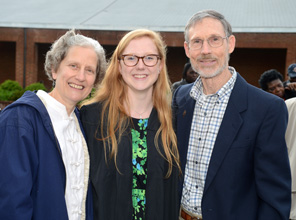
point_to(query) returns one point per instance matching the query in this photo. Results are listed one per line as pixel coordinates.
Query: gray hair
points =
(205, 14)
(61, 46)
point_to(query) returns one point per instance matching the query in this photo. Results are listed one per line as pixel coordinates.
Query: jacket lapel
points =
(183, 108)
(229, 128)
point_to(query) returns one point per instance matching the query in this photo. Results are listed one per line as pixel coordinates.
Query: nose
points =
(80, 75)
(141, 63)
(278, 89)
(206, 48)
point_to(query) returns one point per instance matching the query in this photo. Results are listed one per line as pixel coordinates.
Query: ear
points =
(160, 67)
(54, 75)
(231, 43)
(186, 47)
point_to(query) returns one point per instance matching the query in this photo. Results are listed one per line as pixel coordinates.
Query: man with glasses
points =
(231, 137)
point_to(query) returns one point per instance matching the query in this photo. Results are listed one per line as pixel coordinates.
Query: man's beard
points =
(215, 73)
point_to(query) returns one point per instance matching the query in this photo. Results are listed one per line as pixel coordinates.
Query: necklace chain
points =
(140, 114)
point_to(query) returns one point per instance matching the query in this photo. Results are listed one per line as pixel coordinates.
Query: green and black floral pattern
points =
(139, 160)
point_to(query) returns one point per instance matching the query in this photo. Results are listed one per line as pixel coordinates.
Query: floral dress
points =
(139, 160)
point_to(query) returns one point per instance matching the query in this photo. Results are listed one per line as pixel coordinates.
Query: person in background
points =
(272, 81)
(132, 144)
(291, 144)
(231, 135)
(291, 74)
(188, 76)
(44, 161)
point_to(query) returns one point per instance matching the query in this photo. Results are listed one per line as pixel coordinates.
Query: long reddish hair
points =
(112, 94)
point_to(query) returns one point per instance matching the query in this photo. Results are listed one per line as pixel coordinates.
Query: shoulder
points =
(291, 102)
(24, 119)
(182, 91)
(178, 83)
(28, 107)
(262, 97)
(93, 107)
(182, 95)
(245, 94)
(88, 113)
(291, 105)
(243, 88)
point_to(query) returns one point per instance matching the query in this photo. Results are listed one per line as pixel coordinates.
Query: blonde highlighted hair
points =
(112, 94)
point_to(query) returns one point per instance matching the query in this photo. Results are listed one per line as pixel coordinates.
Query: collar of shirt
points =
(74, 154)
(57, 108)
(197, 88)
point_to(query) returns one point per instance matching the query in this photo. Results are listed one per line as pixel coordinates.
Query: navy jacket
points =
(249, 175)
(33, 178)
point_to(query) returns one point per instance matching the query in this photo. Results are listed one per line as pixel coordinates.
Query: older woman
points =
(44, 161)
(128, 125)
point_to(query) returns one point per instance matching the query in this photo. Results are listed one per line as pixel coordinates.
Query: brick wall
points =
(254, 52)
(12, 40)
(7, 61)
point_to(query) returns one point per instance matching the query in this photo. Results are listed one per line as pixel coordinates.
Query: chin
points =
(210, 75)
(76, 99)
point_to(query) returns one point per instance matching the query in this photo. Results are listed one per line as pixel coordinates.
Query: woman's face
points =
(191, 75)
(276, 87)
(75, 76)
(140, 78)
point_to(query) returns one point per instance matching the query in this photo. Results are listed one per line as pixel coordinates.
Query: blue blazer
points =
(249, 174)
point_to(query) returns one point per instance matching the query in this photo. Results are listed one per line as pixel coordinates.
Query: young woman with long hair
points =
(132, 144)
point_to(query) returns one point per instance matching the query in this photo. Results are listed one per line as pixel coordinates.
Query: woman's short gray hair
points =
(61, 46)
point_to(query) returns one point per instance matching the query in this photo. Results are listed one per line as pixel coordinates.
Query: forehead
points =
(275, 82)
(76, 51)
(79, 54)
(205, 28)
(140, 46)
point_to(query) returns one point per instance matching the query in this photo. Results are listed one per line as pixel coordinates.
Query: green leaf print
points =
(139, 162)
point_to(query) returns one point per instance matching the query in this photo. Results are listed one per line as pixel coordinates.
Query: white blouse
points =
(74, 153)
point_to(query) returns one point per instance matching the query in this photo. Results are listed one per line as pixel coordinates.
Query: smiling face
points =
(276, 87)
(209, 61)
(75, 76)
(140, 78)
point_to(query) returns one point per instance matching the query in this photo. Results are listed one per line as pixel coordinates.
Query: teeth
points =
(76, 86)
(140, 76)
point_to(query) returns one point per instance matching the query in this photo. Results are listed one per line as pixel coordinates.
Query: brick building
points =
(265, 36)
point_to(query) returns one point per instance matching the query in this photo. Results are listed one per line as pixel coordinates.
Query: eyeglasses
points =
(215, 41)
(132, 60)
